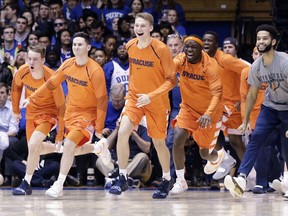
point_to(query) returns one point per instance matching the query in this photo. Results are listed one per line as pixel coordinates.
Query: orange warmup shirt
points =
(200, 85)
(49, 104)
(87, 97)
(230, 70)
(244, 88)
(152, 72)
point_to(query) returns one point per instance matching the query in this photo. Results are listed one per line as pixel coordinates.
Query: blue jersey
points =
(110, 14)
(116, 72)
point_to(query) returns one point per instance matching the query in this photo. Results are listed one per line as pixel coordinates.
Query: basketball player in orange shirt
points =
(152, 76)
(230, 71)
(41, 116)
(201, 107)
(86, 107)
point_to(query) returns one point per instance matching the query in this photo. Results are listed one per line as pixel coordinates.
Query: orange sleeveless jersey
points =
(200, 85)
(152, 72)
(50, 104)
(230, 70)
(244, 88)
(87, 97)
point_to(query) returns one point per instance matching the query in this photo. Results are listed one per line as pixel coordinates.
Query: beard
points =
(266, 49)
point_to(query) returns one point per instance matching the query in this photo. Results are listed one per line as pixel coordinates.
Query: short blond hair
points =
(146, 16)
(38, 49)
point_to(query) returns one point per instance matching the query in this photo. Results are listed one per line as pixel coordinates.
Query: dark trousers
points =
(50, 169)
(269, 119)
(267, 164)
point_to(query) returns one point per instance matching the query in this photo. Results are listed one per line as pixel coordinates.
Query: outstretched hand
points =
(205, 121)
(142, 100)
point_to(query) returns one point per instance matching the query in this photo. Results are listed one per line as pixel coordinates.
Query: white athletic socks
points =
(180, 174)
(123, 172)
(28, 178)
(61, 178)
(167, 176)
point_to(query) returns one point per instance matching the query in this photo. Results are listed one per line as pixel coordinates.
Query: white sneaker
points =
(251, 180)
(212, 167)
(224, 168)
(179, 187)
(235, 185)
(105, 153)
(55, 191)
(277, 186)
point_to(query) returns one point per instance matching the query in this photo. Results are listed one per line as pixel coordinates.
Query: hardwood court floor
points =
(96, 201)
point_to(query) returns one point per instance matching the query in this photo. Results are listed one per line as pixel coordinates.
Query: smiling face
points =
(65, 38)
(264, 42)
(80, 47)
(142, 28)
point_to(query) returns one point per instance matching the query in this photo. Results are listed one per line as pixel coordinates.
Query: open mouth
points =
(140, 34)
(206, 48)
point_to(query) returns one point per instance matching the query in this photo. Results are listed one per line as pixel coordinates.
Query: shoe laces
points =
(164, 185)
(120, 180)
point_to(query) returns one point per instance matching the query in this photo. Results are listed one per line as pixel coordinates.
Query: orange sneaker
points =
(211, 167)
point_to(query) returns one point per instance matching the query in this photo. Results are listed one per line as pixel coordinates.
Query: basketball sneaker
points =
(104, 154)
(211, 167)
(258, 189)
(134, 183)
(277, 186)
(120, 185)
(55, 191)
(235, 185)
(163, 189)
(23, 189)
(225, 167)
(179, 187)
